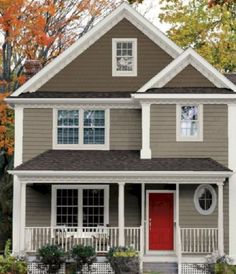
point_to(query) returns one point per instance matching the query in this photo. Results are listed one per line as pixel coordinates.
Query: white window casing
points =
(80, 145)
(213, 202)
(80, 189)
(124, 73)
(179, 136)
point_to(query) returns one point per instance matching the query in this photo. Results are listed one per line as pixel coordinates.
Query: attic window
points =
(124, 57)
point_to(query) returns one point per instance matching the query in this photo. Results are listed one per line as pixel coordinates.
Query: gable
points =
(92, 70)
(189, 77)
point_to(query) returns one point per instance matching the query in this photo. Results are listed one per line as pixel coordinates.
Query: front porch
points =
(127, 219)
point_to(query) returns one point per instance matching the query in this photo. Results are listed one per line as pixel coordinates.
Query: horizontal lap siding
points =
(189, 77)
(125, 129)
(38, 207)
(37, 132)
(189, 216)
(92, 70)
(163, 134)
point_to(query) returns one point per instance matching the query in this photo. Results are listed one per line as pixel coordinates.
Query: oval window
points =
(205, 199)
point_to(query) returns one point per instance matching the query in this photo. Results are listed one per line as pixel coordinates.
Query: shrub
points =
(124, 260)
(218, 264)
(10, 264)
(83, 255)
(51, 258)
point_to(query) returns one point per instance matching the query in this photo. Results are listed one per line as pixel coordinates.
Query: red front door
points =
(161, 221)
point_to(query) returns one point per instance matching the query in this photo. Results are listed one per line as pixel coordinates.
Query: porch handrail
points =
(102, 238)
(199, 240)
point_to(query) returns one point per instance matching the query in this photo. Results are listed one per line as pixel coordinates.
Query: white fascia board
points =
(188, 57)
(184, 96)
(123, 11)
(26, 173)
(26, 101)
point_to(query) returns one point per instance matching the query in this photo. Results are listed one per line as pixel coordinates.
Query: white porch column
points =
(16, 185)
(22, 217)
(16, 216)
(121, 214)
(145, 151)
(232, 179)
(220, 219)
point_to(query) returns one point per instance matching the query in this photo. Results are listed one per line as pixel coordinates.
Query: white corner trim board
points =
(232, 179)
(19, 117)
(123, 11)
(191, 57)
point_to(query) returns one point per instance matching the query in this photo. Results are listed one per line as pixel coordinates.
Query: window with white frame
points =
(80, 206)
(124, 57)
(205, 199)
(189, 123)
(81, 128)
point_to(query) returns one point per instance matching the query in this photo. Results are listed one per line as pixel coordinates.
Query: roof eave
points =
(48, 173)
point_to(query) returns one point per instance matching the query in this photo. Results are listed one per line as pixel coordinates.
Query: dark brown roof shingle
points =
(115, 160)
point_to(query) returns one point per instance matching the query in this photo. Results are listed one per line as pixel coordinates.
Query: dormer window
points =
(81, 129)
(124, 57)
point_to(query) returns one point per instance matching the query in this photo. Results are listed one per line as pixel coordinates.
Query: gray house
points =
(126, 140)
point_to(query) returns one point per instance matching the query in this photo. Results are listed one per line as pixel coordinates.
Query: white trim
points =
(223, 174)
(147, 222)
(232, 180)
(191, 57)
(183, 96)
(179, 137)
(18, 153)
(146, 150)
(66, 101)
(81, 145)
(214, 200)
(132, 73)
(80, 201)
(123, 11)
(22, 216)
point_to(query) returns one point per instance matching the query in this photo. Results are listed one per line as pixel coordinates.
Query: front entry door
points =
(161, 221)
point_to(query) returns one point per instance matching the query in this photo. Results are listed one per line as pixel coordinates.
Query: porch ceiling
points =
(114, 160)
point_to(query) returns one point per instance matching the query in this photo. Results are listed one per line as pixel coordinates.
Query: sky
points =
(151, 9)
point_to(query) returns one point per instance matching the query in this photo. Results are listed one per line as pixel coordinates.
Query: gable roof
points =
(188, 57)
(123, 11)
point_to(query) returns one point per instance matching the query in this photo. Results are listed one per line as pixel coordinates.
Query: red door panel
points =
(161, 221)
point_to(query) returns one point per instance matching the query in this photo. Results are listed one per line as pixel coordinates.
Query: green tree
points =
(210, 30)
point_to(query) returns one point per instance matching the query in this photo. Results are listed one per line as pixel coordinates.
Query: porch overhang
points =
(163, 174)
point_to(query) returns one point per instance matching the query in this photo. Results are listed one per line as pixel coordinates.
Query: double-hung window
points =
(81, 128)
(189, 123)
(124, 57)
(80, 206)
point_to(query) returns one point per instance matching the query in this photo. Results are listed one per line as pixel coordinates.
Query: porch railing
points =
(199, 240)
(101, 238)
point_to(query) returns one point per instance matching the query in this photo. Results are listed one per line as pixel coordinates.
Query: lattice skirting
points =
(34, 269)
(192, 269)
(99, 268)
(96, 268)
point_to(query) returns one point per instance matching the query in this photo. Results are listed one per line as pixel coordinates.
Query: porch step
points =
(162, 268)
